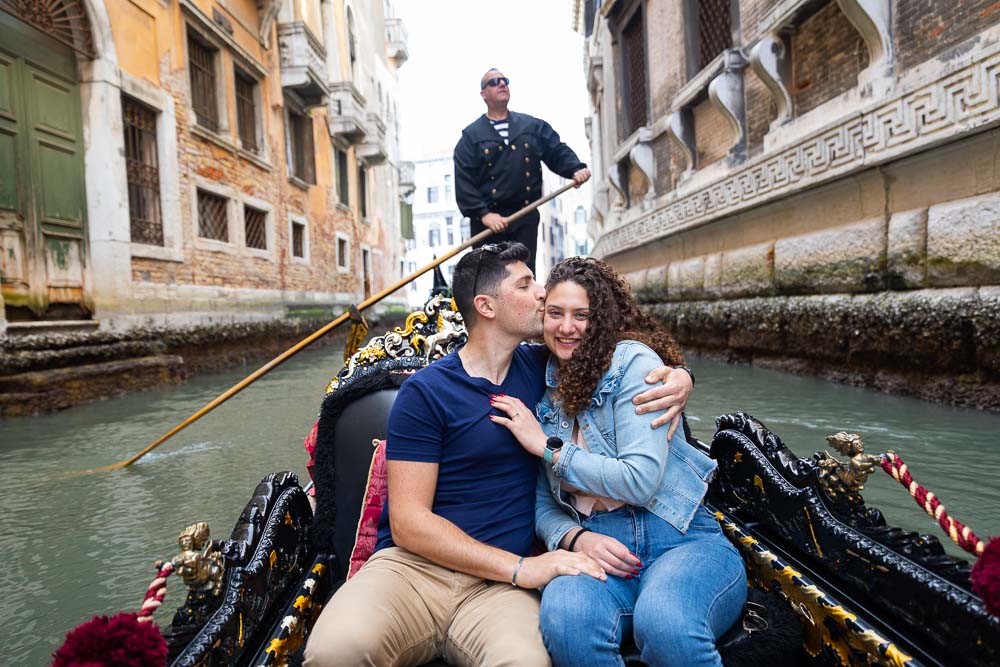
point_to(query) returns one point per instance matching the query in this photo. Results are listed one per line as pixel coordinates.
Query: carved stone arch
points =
(65, 21)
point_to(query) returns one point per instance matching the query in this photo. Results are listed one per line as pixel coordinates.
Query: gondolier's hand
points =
(613, 556)
(537, 571)
(672, 396)
(582, 176)
(520, 421)
(494, 221)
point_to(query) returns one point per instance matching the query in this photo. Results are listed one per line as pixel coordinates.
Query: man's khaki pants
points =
(401, 609)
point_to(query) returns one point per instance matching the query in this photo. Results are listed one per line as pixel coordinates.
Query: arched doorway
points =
(43, 219)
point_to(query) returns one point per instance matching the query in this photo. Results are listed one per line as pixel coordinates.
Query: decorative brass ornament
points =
(63, 20)
(843, 479)
(199, 563)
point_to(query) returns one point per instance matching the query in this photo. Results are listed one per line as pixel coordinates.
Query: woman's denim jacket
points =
(627, 461)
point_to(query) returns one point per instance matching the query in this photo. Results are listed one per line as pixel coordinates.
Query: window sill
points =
(343, 269)
(259, 254)
(218, 139)
(304, 261)
(254, 159)
(299, 183)
(343, 207)
(161, 253)
(212, 245)
(698, 83)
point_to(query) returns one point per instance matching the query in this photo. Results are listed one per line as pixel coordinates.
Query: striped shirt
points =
(502, 127)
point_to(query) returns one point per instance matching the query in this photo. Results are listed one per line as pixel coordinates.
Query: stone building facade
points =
(808, 184)
(190, 162)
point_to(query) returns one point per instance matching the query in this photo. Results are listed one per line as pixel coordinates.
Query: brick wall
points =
(827, 55)
(751, 14)
(925, 28)
(713, 137)
(665, 48)
(760, 111)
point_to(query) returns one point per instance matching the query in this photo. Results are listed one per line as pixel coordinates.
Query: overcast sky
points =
(451, 45)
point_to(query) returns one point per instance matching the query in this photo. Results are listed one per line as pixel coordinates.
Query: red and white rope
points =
(155, 593)
(959, 533)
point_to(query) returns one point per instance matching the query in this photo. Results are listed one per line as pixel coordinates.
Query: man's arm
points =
(559, 157)
(416, 528)
(467, 196)
(671, 396)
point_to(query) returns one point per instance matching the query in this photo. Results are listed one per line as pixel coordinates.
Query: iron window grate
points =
(212, 218)
(255, 227)
(201, 60)
(142, 173)
(298, 240)
(634, 42)
(714, 30)
(246, 112)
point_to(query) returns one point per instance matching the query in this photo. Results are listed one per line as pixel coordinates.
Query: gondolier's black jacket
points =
(493, 177)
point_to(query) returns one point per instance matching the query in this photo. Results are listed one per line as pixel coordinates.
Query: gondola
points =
(830, 582)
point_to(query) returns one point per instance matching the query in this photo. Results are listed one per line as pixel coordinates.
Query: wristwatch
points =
(689, 372)
(552, 445)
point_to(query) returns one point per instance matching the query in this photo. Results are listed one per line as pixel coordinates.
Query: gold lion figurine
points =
(839, 478)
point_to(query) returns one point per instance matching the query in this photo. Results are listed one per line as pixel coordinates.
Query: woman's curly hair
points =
(614, 316)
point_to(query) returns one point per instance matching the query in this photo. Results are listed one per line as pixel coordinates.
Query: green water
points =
(78, 546)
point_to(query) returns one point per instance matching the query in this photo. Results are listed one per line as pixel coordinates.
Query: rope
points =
(155, 593)
(959, 533)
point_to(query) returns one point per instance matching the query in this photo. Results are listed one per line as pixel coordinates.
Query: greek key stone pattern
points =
(957, 103)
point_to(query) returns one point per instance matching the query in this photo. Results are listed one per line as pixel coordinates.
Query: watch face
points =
(554, 443)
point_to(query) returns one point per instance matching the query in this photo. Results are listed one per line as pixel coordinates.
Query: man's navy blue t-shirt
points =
(486, 481)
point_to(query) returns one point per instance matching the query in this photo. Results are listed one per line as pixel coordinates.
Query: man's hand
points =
(581, 176)
(609, 553)
(672, 396)
(537, 571)
(494, 221)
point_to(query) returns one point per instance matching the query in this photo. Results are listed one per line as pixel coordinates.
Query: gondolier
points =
(498, 166)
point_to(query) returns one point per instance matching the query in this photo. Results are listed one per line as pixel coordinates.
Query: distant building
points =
(197, 161)
(806, 179)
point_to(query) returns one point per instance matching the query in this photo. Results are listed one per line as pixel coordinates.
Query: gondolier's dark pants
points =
(401, 609)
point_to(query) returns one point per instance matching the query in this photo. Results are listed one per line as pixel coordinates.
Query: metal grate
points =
(246, 111)
(714, 30)
(213, 222)
(201, 60)
(298, 240)
(634, 44)
(142, 172)
(255, 227)
(303, 163)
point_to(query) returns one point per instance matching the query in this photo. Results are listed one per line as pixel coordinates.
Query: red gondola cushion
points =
(376, 490)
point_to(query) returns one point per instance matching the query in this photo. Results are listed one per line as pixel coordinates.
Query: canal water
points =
(78, 546)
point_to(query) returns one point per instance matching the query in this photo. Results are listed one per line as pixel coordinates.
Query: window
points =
(413, 283)
(713, 30)
(434, 235)
(201, 63)
(142, 172)
(466, 230)
(633, 42)
(298, 240)
(352, 45)
(432, 194)
(580, 216)
(447, 187)
(401, 269)
(246, 111)
(342, 183)
(342, 253)
(213, 222)
(366, 271)
(299, 137)
(255, 227)
(363, 189)
(450, 230)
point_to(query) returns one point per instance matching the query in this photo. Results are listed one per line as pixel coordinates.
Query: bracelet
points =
(517, 568)
(572, 543)
(689, 372)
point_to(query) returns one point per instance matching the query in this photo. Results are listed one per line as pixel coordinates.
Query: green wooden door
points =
(42, 196)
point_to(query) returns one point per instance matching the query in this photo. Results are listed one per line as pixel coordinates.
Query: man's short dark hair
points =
(481, 271)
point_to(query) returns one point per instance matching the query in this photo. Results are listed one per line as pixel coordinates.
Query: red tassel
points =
(118, 641)
(986, 576)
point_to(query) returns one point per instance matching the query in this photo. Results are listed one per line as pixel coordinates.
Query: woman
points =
(611, 487)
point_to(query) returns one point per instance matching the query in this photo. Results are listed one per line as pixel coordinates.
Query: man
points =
(451, 575)
(498, 166)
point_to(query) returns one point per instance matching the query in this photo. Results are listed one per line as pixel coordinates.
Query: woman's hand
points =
(521, 422)
(613, 556)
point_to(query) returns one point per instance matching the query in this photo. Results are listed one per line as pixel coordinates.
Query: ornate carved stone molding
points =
(873, 20)
(641, 155)
(771, 62)
(726, 93)
(964, 101)
(268, 14)
(614, 179)
(680, 130)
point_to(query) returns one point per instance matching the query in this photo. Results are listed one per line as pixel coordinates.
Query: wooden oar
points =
(295, 349)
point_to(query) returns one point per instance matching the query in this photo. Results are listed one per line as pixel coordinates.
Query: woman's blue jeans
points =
(691, 588)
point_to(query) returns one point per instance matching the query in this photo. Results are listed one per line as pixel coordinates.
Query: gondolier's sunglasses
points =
(491, 248)
(495, 81)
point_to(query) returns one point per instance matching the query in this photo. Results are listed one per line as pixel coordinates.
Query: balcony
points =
(346, 115)
(395, 41)
(303, 63)
(373, 149)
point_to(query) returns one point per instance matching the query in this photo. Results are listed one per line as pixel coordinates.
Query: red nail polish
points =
(628, 576)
